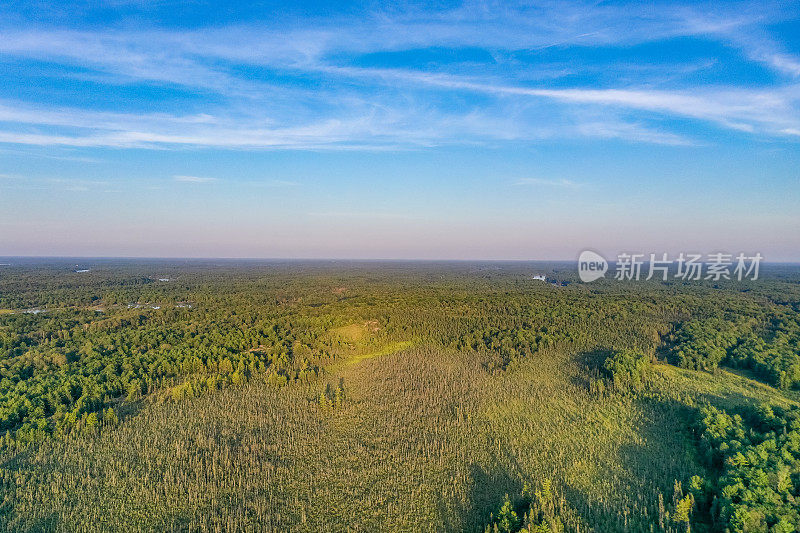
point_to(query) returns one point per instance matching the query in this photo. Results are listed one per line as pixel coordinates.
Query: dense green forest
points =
(333, 396)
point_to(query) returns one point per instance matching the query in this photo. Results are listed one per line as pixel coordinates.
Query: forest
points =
(166, 395)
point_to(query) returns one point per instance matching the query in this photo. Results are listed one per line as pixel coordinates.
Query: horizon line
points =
(325, 259)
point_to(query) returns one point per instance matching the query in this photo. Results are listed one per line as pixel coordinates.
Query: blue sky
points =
(366, 130)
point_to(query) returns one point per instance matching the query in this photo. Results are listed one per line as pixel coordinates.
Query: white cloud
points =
(760, 47)
(384, 128)
(193, 179)
(732, 108)
(392, 108)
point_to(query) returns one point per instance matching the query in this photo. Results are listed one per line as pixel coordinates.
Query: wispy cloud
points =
(193, 179)
(734, 108)
(759, 47)
(283, 85)
(374, 129)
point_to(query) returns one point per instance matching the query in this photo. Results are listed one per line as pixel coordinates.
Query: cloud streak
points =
(193, 179)
(374, 129)
(343, 84)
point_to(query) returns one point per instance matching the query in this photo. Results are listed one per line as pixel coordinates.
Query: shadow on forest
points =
(665, 352)
(48, 523)
(590, 363)
(667, 452)
(489, 487)
(594, 359)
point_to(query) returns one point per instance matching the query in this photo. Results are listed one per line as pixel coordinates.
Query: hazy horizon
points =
(612, 260)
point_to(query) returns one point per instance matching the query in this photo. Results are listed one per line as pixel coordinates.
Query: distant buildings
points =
(553, 281)
(181, 305)
(143, 306)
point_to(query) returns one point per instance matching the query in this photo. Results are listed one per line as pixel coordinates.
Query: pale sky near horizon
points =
(478, 130)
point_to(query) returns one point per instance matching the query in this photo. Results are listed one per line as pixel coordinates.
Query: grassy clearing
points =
(723, 388)
(361, 342)
(426, 440)
(353, 333)
(392, 347)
